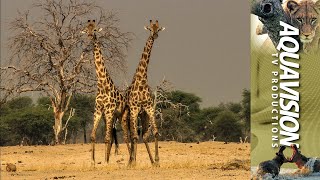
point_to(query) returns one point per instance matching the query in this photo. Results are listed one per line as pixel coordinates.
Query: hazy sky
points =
(204, 49)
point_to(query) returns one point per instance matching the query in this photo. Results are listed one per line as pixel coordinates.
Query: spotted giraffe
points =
(139, 98)
(109, 101)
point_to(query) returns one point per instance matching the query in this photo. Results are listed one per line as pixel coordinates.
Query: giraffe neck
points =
(142, 70)
(104, 80)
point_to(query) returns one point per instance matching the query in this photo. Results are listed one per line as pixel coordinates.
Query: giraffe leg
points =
(108, 138)
(134, 112)
(96, 120)
(108, 146)
(146, 128)
(124, 125)
(150, 111)
(115, 139)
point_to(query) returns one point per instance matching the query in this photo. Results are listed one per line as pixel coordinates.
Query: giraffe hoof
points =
(156, 164)
(131, 165)
(93, 165)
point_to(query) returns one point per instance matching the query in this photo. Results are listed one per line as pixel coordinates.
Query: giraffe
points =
(108, 99)
(139, 98)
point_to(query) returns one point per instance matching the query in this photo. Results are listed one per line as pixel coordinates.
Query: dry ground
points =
(206, 160)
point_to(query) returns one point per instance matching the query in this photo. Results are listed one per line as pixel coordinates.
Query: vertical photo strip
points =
(285, 89)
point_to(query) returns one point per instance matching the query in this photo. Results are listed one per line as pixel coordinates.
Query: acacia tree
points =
(227, 126)
(48, 54)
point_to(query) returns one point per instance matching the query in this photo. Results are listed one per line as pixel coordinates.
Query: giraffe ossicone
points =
(91, 28)
(154, 28)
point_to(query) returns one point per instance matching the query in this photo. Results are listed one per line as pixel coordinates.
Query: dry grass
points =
(207, 160)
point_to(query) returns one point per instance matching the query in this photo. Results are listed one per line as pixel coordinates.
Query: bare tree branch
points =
(65, 127)
(161, 100)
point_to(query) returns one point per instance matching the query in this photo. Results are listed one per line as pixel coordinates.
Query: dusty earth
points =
(206, 160)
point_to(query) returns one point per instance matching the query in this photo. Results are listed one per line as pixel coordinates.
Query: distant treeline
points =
(24, 122)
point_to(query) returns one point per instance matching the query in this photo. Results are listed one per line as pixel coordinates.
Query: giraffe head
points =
(91, 28)
(154, 29)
